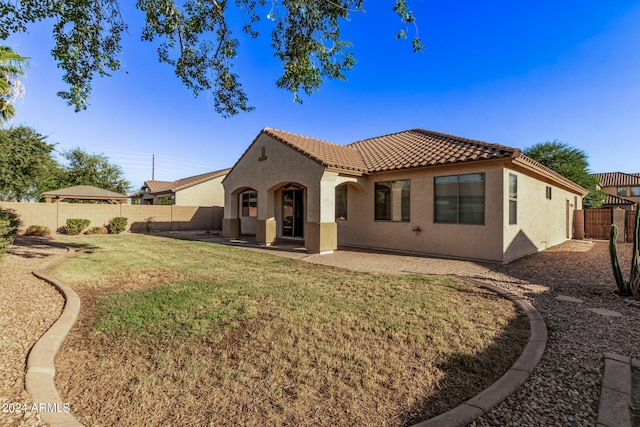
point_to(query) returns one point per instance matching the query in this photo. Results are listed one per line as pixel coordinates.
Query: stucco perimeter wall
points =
(481, 242)
(209, 193)
(163, 218)
(541, 222)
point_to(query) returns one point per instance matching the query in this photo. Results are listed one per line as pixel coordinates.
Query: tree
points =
(91, 169)
(197, 39)
(12, 65)
(570, 162)
(26, 164)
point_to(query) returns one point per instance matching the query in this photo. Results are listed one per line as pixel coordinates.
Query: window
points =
(513, 199)
(459, 199)
(635, 191)
(341, 202)
(392, 200)
(621, 191)
(548, 192)
(250, 204)
(165, 200)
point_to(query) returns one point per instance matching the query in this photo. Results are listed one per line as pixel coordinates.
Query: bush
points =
(117, 225)
(8, 226)
(97, 230)
(76, 225)
(37, 230)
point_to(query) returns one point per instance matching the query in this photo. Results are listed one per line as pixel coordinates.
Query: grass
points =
(191, 333)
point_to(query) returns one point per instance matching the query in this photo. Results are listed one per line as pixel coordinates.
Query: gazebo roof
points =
(84, 192)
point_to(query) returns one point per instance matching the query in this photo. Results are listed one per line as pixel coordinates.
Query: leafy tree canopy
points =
(26, 164)
(12, 66)
(197, 40)
(570, 162)
(82, 168)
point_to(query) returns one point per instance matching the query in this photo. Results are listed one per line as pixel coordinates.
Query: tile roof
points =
(419, 147)
(402, 150)
(617, 179)
(326, 153)
(616, 200)
(173, 186)
(84, 191)
(409, 149)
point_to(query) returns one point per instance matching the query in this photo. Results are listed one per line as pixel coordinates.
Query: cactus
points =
(633, 287)
(623, 287)
(634, 282)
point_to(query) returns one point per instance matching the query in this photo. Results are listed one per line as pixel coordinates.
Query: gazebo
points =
(84, 192)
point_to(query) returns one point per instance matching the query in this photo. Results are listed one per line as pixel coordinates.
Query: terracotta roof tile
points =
(83, 191)
(173, 186)
(419, 147)
(616, 200)
(616, 179)
(326, 153)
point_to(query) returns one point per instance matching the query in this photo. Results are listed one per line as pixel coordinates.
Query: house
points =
(415, 191)
(84, 192)
(623, 189)
(200, 190)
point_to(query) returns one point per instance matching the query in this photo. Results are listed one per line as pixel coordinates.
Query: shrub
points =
(37, 230)
(76, 225)
(117, 225)
(97, 230)
(8, 226)
(148, 221)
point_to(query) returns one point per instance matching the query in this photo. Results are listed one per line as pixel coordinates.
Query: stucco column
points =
(619, 220)
(266, 222)
(321, 230)
(230, 222)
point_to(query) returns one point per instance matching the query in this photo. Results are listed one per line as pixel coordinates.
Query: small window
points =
(250, 204)
(635, 191)
(513, 199)
(392, 200)
(341, 202)
(548, 192)
(621, 191)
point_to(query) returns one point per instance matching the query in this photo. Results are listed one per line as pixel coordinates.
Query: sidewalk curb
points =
(486, 400)
(40, 361)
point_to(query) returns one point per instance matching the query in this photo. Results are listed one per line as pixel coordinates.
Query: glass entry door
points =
(292, 213)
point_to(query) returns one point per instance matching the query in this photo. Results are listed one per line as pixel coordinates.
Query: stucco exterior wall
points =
(541, 222)
(209, 193)
(614, 191)
(279, 165)
(482, 242)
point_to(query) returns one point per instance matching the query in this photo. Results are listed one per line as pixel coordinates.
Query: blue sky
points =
(513, 73)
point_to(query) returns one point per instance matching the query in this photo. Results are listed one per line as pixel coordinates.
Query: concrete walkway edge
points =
(523, 367)
(615, 392)
(40, 362)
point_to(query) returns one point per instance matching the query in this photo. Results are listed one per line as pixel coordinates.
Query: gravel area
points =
(564, 389)
(28, 307)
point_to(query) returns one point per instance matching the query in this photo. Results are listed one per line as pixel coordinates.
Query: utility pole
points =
(153, 167)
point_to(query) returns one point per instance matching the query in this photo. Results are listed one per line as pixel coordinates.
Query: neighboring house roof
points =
(617, 179)
(181, 184)
(409, 149)
(616, 200)
(84, 192)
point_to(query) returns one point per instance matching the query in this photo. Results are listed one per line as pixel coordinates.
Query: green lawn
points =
(193, 333)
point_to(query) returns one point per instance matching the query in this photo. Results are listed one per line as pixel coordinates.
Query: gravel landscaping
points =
(564, 389)
(28, 307)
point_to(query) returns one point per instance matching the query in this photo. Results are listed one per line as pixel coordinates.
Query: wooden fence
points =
(629, 222)
(597, 223)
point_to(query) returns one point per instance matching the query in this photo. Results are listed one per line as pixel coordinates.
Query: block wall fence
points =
(164, 218)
